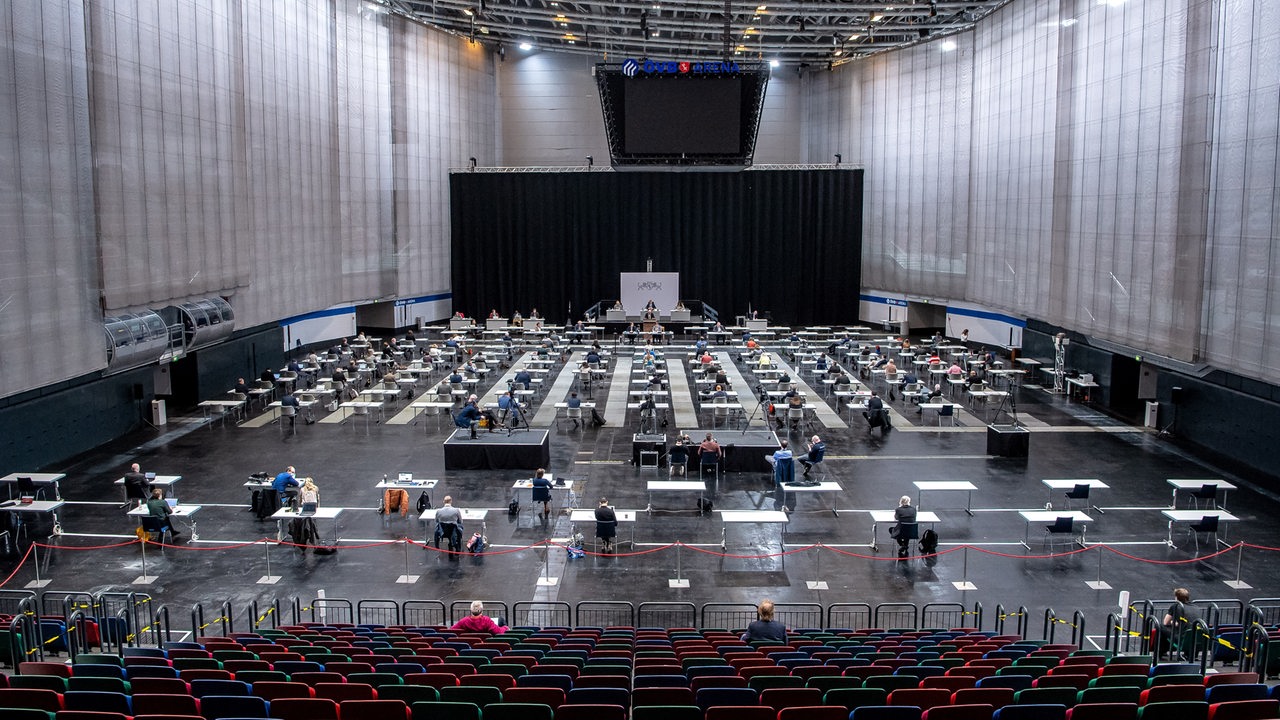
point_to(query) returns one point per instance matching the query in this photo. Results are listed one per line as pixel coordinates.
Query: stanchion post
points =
(678, 582)
(963, 583)
(144, 578)
(268, 579)
(1238, 584)
(817, 565)
(1098, 584)
(406, 578)
(546, 580)
(35, 555)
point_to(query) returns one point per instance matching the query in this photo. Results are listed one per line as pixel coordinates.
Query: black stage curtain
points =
(786, 242)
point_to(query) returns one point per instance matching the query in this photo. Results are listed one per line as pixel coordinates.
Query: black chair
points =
(1208, 493)
(160, 528)
(1060, 526)
(906, 533)
(708, 460)
(1208, 524)
(1079, 492)
(27, 488)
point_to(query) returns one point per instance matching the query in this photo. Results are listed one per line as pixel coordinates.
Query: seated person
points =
(722, 378)
(477, 621)
(593, 356)
(542, 491)
(617, 304)
(455, 378)
(241, 388)
(136, 486)
(449, 526)
(904, 514)
(719, 393)
(765, 628)
(523, 379)
(817, 449)
(286, 486)
(468, 418)
(677, 459)
(289, 401)
(955, 370)
(680, 305)
(158, 507)
(308, 494)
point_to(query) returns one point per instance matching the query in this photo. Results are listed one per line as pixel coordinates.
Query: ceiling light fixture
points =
(947, 45)
(526, 46)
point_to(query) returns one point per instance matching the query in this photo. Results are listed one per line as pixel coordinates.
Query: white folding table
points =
(37, 479)
(945, 485)
(923, 517)
(1050, 516)
(186, 512)
(697, 486)
(589, 516)
(825, 487)
(165, 481)
(1194, 516)
(1195, 484)
(321, 513)
(1070, 484)
(768, 517)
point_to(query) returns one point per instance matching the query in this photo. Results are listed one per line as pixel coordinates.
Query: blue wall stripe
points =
(351, 309)
(987, 315)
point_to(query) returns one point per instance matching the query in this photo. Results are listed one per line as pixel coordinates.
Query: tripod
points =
(1011, 400)
(762, 398)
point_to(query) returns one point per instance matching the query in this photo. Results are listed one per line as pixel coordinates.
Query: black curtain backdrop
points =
(786, 242)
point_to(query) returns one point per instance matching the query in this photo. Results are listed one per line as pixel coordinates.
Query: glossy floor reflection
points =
(825, 557)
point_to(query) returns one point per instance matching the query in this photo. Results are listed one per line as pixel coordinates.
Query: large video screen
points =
(683, 115)
(667, 113)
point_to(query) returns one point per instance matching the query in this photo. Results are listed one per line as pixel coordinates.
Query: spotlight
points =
(590, 162)
(839, 157)
(773, 63)
(526, 46)
(473, 164)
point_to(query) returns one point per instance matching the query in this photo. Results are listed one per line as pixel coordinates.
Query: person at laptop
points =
(286, 486)
(309, 495)
(135, 487)
(158, 507)
(241, 387)
(268, 376)
(542, 491)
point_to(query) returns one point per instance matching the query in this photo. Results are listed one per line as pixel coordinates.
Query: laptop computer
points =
(308, 508)
(405, 478)
(149, 476)
(172, 503)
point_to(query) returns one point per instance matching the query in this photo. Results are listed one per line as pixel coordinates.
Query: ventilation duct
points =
(134, 339)
(203, 321)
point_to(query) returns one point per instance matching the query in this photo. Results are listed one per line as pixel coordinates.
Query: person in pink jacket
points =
(477, 621)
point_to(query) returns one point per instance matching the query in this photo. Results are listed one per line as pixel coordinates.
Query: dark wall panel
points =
(244, 355)
(788, 242)
(54, 424)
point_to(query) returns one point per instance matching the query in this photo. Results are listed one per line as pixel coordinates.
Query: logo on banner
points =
(632, 67)
(649, 285)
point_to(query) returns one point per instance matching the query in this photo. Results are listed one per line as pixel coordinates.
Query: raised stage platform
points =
(743, 452)
(522, 450)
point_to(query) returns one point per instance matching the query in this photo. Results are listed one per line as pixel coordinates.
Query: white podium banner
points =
(637, 289)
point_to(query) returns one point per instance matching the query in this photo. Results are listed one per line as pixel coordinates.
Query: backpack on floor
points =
(513, 508)
(929, 542)
(596, 420)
